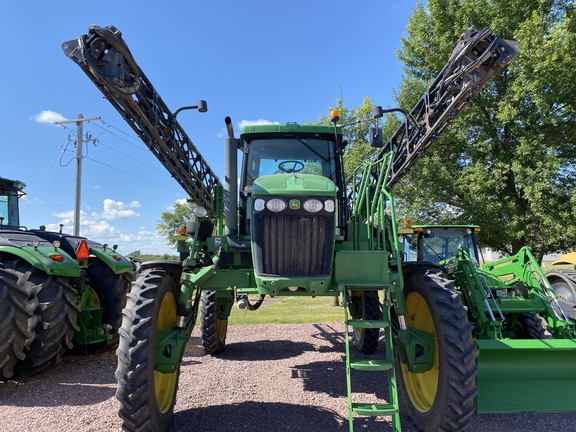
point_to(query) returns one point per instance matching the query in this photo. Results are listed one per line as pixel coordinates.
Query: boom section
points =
(104, 56)
(474, 61)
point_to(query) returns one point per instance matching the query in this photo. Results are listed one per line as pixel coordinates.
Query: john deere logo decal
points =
(294, 204)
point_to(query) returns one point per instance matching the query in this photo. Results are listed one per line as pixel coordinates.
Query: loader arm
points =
(476, 58)
(104, 56)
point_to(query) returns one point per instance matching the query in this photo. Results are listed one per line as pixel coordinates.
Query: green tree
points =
(508, 162)
(358, 149)
(170, 221)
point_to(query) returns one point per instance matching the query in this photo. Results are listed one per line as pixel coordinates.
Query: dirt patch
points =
(276, 377)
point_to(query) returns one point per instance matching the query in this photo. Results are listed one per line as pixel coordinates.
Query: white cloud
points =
(47, 116)
(255, 122)
(97, 226)
(118, 210)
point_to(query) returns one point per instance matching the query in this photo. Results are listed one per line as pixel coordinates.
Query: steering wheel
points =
(297, 166)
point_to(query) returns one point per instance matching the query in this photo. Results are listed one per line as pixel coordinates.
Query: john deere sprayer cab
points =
(56, 290)
(525, 342)
(295, 226)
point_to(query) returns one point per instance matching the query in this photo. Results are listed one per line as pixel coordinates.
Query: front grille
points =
(293, 244)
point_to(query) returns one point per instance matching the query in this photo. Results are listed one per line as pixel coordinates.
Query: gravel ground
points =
(271, 378)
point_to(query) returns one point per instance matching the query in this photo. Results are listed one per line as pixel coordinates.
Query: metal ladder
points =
(371, 409)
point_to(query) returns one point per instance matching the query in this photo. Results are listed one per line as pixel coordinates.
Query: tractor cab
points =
(439, 244)
(291, 202)
(10, 192)
(300, 165)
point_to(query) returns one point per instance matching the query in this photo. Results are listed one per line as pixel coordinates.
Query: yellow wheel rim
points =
(165, 383)
(221, 328)
(421, 387)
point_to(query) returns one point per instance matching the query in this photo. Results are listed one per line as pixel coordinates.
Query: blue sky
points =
(251, 60)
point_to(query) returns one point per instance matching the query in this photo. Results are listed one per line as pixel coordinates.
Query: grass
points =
(289, 310)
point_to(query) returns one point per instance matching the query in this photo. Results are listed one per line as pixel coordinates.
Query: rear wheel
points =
(111, 289)
(18, 281)
(147, 397)
(56, 315)
(563, 290)
(442, 398)
(365, 305)
(212, 327)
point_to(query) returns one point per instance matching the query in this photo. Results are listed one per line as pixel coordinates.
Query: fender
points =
(39, 257)
(118, 263)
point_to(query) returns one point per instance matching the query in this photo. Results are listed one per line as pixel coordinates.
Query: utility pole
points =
(78, 184)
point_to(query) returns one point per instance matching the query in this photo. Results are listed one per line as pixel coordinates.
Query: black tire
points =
(18, 281)
(56, 314)
(212, 328)
(441, 399)
(146, 397)
(111, 289)
(534, 327)
(563, 290)
(366, 306)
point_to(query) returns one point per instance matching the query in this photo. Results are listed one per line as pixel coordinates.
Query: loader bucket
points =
(526, 375)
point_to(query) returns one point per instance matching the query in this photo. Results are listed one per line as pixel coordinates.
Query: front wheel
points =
(442, 398)
(212, 326)
(365, 305)
(147, 397)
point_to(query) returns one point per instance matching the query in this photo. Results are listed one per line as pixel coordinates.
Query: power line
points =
(137, 142)
(130, 157)
(133, 175)
(353, 65)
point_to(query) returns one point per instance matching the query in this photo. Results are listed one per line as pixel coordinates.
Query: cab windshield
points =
(440, 244)
(288, 155)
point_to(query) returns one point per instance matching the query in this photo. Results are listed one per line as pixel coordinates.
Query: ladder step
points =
(368, 323)
(377, 409)
(371, 365)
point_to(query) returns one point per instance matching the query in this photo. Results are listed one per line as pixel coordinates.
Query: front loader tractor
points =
(56, 291)
(524, 343)
(296, 225)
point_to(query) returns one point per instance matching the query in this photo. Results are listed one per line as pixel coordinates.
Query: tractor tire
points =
(441, 399)
(56, 314)
(564, 290)
(147, 397)
(535, 327)
(365, 340)
(212, 328)
(111, 289)
(18, 280)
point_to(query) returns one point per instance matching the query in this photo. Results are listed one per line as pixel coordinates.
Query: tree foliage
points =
(358, 149)
(507, 163)
(170, 221)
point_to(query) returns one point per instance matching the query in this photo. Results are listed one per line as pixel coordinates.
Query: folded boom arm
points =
(104, 56)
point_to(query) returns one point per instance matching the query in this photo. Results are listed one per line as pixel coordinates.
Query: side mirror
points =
(376, 137)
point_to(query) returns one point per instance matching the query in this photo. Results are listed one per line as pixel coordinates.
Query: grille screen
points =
(293, 245)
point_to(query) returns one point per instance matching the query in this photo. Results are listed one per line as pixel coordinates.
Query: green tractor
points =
(295, 225)
(56, 291)
(523, 342)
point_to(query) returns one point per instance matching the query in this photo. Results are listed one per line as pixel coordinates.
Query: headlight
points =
(329, 206)
(276, 205)
(259, 204)
(199, 212)
(313, 205)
